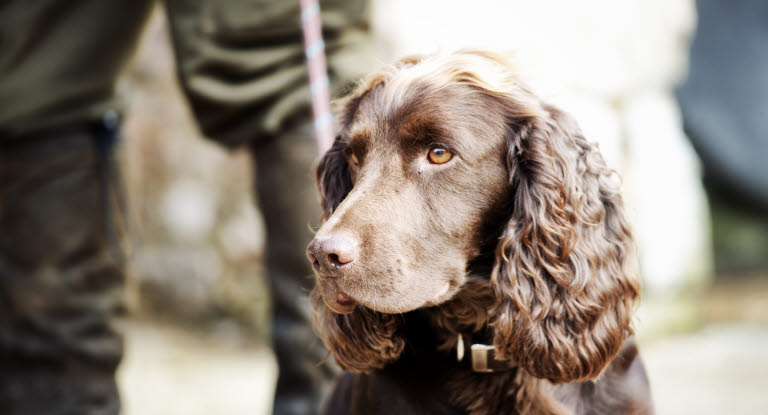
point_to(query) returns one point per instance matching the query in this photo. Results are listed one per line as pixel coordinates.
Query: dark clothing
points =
(724, 101)
(60, 60)
(61, 277)
(241, 65)
(241, 62)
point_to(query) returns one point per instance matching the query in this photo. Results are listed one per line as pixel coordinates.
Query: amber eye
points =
(439, 155)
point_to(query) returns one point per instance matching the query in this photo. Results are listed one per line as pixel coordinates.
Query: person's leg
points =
(287, 199)
(242, 67)
(60, 278)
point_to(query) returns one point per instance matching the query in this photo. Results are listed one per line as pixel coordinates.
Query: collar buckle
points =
(481, 354)
(483, 358)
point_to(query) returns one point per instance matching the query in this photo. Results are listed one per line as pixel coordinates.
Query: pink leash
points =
(314, 49)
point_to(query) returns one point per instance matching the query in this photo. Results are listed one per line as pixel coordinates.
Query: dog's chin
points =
(337, 300)
(341, 301)
(447, 291)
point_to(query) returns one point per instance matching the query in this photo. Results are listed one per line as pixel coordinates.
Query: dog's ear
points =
(565, 276)
(361, 341)
(332, 178)
(332, 173)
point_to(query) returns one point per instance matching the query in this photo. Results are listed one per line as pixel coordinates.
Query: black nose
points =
(332, 253)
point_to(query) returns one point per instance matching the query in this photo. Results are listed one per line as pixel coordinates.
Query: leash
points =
(314, 49)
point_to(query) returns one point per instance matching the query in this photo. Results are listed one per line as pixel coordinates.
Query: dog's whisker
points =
(312, 229)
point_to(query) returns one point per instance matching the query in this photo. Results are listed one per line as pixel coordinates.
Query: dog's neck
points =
(468, 313)
(433, 333)
(428, 367)
(430, 354)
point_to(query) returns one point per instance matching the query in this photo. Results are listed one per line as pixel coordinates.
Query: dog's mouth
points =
(336, 299)
(340, 301)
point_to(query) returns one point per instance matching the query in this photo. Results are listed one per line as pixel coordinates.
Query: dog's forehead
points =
(406, 111)
(416, 114)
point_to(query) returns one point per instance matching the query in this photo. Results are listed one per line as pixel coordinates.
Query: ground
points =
(169, 371)
(720, 368)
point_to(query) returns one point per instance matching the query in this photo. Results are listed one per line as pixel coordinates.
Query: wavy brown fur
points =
(500, 393)
(564, 278)
(361, 341)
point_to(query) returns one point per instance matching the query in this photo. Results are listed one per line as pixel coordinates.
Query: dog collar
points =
(483, 357)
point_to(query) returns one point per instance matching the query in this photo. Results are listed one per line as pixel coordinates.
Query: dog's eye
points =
(439, 155)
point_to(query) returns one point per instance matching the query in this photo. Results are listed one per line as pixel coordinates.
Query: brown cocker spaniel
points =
(476, 257)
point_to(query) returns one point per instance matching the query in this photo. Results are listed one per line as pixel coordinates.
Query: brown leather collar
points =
(483, 357)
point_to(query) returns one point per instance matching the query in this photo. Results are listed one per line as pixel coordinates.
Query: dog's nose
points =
(333, 252)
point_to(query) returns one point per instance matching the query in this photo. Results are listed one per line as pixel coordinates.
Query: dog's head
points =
(444, 160)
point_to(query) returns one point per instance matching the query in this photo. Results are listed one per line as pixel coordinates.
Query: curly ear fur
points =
(565, 276)
(360, 341)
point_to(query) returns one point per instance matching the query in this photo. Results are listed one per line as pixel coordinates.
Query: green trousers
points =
(240, 62)
(241, 66)
(61, 277)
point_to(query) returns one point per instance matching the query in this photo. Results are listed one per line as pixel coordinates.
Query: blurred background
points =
(670, 89)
